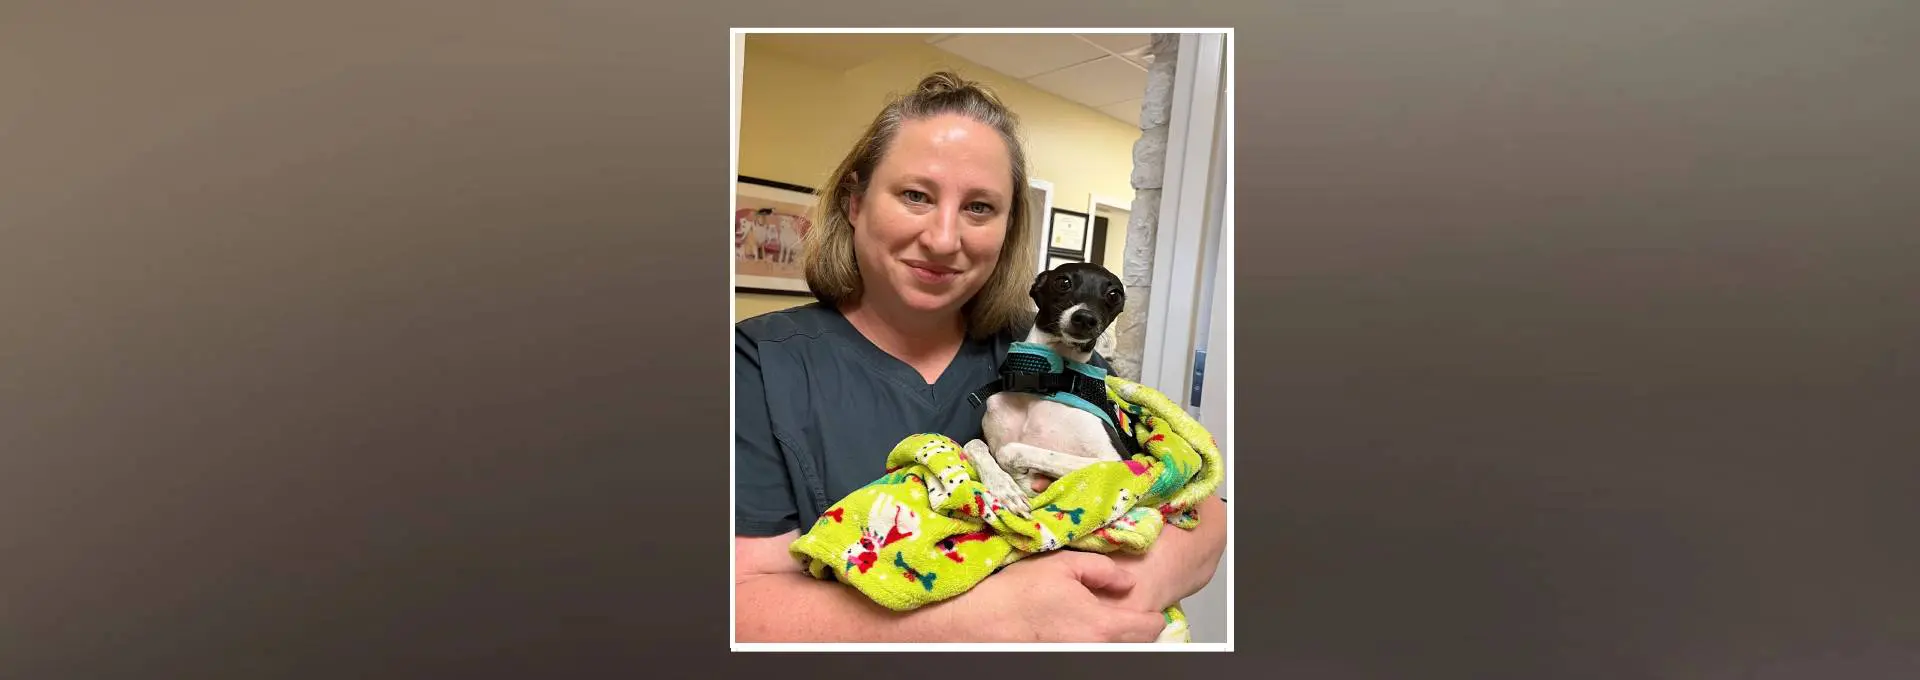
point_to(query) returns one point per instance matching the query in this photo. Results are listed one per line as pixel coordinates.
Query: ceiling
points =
(835, 51)
(1104, 72)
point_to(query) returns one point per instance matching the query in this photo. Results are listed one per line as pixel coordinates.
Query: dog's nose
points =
(1083, 319)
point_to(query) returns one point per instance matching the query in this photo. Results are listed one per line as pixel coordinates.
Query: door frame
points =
(1185, 222)
(1042, 218)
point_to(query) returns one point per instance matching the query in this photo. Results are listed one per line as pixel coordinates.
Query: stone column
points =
(1149, 171)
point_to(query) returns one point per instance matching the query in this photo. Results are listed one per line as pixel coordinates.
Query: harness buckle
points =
(1025, 382)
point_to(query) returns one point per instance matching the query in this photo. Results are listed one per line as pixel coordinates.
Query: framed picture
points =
(770, 220)
(1067, 233)
(1054, 261)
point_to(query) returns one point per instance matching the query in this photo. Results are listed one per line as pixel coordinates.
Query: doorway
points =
(1107, 247)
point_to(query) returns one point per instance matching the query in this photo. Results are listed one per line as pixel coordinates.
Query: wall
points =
(796, 119)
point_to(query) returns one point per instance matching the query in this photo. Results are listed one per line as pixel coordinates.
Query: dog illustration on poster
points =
(770, 225)
(768, 235)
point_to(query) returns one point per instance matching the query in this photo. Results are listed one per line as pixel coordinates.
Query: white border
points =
(736, 60)
(1110, 30)
(736, 57)
(1224, 293)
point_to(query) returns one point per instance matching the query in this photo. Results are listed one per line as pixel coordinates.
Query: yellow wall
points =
(797, 119)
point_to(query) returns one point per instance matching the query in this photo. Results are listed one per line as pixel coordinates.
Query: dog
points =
(1026, 432)
(1029, 428)
(1037, 426)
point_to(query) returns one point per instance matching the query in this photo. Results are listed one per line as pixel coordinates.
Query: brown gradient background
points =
(383, 339)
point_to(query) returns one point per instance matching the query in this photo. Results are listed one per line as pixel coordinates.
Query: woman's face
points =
(927, 231)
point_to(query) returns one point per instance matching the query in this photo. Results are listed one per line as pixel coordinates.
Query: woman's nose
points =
(942, 235)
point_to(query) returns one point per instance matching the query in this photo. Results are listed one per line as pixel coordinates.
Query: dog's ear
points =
(1038, 280)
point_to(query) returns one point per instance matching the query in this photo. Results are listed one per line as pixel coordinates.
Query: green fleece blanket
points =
(929, 530)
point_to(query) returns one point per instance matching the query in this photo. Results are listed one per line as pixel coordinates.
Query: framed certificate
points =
(1067, 233)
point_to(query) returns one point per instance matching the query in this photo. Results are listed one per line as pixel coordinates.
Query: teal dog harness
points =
(1034, 368)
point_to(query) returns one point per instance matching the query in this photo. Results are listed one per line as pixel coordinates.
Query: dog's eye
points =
(1063, 283)
(1113, 297)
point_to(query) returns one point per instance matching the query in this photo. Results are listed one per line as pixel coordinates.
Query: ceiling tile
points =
(837, 51)
(1121, 42)
(1127, 111)
(1021, 55)
(1096, 84)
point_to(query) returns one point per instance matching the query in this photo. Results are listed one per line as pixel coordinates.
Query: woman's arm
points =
(774, 601)
(1048, 598)
(1180, 562)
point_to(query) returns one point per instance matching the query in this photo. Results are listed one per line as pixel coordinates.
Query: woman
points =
(920, 262)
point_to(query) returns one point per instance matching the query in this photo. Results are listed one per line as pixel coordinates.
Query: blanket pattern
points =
(929, 530)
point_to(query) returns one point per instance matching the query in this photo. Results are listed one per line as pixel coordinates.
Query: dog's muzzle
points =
(1083, 323)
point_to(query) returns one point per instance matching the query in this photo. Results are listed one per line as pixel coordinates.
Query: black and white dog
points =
(1049, 413)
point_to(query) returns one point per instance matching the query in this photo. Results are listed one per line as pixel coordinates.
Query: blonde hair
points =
(833, 272)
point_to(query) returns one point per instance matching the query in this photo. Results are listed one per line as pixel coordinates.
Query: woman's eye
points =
(914, 196)
(980, 208)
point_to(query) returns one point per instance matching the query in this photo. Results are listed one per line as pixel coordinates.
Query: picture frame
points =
(769, 222)
(1067, 232)
(1054, 261)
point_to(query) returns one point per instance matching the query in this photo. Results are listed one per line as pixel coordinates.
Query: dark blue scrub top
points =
(819, 407)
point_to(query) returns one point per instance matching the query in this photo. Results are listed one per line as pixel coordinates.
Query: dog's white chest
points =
(1026, 418)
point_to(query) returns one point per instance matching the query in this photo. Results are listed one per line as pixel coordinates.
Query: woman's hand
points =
(1062, 596)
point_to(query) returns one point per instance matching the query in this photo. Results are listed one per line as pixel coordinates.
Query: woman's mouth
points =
(927, 272)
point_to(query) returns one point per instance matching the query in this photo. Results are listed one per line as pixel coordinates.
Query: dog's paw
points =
(1009, 494)
(1005, 490)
